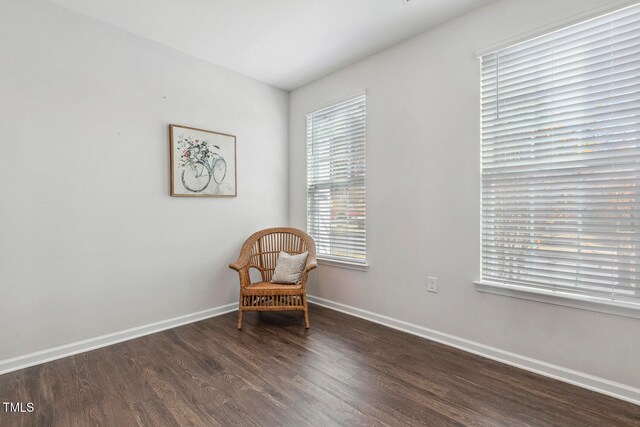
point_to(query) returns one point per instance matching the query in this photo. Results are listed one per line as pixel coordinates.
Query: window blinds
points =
(336, 204)
(561, 161)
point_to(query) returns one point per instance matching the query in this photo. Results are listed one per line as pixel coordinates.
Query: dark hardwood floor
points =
(344, 371)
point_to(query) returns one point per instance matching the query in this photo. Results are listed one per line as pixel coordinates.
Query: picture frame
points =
(202, 162)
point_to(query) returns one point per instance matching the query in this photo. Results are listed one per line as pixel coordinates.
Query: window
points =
(561, 163)
(336, 199)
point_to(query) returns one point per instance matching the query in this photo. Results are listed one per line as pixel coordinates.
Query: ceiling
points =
(286, 43)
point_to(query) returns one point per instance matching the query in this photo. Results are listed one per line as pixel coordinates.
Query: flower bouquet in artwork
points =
(199, 163)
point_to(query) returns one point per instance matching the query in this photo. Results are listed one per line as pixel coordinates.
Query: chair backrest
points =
(264, 246)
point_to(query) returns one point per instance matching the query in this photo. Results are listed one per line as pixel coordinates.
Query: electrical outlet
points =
(432, 284)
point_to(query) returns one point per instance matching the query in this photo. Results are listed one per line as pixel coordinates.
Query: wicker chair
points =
(261, 251)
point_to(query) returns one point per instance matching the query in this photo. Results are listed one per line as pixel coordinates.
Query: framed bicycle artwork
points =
(203, 163)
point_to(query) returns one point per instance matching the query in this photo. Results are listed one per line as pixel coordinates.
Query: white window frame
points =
(325, 259)
(616, 307)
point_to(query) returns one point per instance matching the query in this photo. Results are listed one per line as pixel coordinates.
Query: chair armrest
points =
(243, 259)
(237, 266)
(311, 264)
(243, 271)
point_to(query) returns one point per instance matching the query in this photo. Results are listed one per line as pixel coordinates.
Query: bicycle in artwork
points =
(200, 163)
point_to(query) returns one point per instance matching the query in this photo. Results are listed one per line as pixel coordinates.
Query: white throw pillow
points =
(289, 268)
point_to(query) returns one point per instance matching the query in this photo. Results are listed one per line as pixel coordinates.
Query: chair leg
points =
(306, 313)
(240, 315)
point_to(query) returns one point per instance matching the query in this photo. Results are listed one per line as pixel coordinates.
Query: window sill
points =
(343, 264)
(618, 308)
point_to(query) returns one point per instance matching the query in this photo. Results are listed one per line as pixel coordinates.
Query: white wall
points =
(90, 240)
(423, 188)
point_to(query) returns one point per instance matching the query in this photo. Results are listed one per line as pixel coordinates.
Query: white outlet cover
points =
(432, 284)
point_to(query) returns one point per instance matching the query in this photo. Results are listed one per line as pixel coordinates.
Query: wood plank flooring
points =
(344, 371)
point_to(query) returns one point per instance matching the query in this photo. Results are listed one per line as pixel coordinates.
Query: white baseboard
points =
(581, 379)
(21, 362)
(591, 382)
